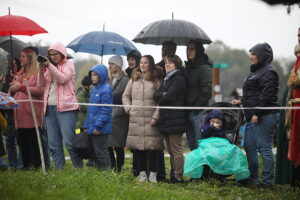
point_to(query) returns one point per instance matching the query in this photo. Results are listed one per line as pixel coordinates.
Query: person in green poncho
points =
(216, 151)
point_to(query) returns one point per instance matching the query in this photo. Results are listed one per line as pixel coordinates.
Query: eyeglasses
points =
(53, 54)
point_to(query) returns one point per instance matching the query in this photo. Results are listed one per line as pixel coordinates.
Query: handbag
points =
(82, 145)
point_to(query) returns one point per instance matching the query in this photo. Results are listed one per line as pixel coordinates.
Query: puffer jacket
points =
(64, 73)
(100, 117)
(260, 88)
(199, 89)
(139, 92)
(172, 93)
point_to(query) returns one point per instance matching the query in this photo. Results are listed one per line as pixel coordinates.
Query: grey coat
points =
(120, 119)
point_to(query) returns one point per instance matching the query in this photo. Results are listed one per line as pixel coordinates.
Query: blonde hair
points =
(32, 69)
(297, 49)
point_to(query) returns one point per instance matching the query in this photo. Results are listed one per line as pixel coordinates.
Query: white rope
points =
(175, 107)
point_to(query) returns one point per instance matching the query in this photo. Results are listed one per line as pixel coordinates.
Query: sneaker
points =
(152, 177)
(142, 177)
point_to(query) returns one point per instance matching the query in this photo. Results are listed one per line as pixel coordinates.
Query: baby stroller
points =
(218, 157)
(234, 120)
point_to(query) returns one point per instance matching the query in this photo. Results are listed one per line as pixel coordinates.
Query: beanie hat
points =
(134, 54)
(117, 60)
(32, 48)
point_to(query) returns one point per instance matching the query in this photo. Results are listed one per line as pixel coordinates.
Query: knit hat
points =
(32, 48)
(117, 60)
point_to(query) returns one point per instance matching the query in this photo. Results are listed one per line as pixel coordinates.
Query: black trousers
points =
(29, 147)
(116, 161)
(147, 160)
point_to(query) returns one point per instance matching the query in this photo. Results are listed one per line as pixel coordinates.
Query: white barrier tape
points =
(179, 107)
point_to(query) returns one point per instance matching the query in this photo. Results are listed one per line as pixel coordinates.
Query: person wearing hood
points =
(144, 135)
(24, 122)
(260, 89)
(133, 60)
(98, 122)
(117, 140)
(199, 89)
(61, 106)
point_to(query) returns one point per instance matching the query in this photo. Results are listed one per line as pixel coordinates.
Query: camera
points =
(41, 59)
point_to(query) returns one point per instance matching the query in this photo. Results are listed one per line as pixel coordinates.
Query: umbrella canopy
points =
(7, 102)
(102, 43)
(16, 44)
(18, 25)
(178, 31)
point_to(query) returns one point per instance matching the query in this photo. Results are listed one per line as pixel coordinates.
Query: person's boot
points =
(152, 177)
(142, 176)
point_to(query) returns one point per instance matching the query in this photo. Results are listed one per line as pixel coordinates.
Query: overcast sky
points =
(239, 23)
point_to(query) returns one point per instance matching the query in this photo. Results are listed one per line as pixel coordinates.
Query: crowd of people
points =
(135, 121)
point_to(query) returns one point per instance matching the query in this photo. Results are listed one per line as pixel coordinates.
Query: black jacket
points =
(260, 88)
(199, 89)
(172, 93)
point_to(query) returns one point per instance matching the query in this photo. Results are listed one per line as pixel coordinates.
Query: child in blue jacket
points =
(98, 123)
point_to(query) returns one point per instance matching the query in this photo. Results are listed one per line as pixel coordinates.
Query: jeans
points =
(45, 146)
(61, 129)
(258, 138)
(193, 127)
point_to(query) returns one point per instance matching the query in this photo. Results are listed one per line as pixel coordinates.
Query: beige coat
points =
(139, 92)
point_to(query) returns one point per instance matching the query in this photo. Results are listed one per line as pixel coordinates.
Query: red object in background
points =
(18, 25)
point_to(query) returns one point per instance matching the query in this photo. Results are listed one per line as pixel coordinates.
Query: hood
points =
(264, 53)
(102, 72)
(218, 114)
(60, 48)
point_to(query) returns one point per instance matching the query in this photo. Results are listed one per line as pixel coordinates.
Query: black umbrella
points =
(17, 45)
(178, 31)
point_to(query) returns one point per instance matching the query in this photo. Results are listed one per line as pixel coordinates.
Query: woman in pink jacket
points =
(61, 104)
(23, 114)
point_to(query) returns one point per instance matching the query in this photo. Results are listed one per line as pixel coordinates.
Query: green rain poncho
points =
(220, 155)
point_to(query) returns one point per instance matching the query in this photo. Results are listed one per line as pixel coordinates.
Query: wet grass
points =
(89, 183)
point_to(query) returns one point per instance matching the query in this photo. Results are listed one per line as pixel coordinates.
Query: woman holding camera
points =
(61, 104)
(23, 114)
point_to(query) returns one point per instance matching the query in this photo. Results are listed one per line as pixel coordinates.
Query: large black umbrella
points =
(178, 31)
(17, 45)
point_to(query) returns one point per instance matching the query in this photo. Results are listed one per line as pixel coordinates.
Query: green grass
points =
(89, 183)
